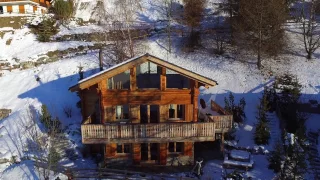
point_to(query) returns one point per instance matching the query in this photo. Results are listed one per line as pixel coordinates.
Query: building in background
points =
(24, 6)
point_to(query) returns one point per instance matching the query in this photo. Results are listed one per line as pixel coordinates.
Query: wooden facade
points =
(145, 111)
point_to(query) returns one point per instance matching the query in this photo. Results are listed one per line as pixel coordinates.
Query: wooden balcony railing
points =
(141, 133)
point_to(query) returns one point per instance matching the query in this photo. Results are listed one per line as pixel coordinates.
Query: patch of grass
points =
(14, 22)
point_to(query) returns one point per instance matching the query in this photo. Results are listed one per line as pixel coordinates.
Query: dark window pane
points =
(125, 111)
(119, 148)
(148, 76)
(175, 80)
(179, 147)
(120, 81)
(126, 148)
(171, 113)
(171, 147)
(180, 111)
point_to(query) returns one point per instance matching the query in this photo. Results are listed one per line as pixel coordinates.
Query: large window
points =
(122, 112)
(176, 111)
(120, 81)
(175, 80)
(148, 75)
(123, 148)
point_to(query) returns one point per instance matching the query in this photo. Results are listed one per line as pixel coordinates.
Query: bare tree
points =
(125, 11)
(310, 28)
(193, 14)
(259, 27)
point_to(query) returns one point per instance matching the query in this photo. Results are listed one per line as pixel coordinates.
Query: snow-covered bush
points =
(237, 110)
(45, 29)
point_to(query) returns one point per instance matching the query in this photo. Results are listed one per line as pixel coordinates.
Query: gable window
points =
(148, 76)
(123, 148)
(122, 112)
(176, 111)
(175, 147)
(120, 81)
(176, 80)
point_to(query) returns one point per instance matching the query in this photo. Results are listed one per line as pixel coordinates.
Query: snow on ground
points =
(19, 90)
(26, 170)
(25, 47)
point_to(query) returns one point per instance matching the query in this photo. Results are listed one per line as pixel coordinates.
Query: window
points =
(176, 80)
(176, 111)
(122, 112)
(120, 81)
(175, 147)
(148, 75)
(123, 148)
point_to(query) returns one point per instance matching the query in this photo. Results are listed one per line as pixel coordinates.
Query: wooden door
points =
(21, 9)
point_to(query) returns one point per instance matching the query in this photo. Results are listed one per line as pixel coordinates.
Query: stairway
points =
(313, 153)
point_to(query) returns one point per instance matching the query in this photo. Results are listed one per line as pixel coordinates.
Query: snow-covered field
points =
(20, 89)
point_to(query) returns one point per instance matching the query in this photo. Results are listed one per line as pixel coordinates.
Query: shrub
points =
(63, 10)
(45, 29)
(45, 116)
(51, 125)
(67, 111)
(276, 157)
(236, 110)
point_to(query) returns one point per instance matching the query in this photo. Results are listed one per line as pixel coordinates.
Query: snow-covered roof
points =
(91, 80)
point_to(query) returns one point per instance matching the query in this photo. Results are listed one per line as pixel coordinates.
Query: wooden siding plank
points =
(188, 149)
(163, 153)
(136, 149)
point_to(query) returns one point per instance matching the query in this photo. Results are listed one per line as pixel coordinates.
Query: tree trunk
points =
(309, 55)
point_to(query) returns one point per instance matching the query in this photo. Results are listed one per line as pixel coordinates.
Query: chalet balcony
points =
(157, 132)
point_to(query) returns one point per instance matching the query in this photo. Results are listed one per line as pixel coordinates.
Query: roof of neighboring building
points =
(121, 67)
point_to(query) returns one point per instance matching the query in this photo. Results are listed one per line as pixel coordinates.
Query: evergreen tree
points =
(276, 157)
(295, 164)
(45, 29)
(237, 110)
(63, 9)
(262, 133)
(45, 116)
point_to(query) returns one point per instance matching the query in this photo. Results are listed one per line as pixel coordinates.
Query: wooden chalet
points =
(145, 111)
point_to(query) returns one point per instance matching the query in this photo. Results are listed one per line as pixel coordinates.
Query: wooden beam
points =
(188, 148)
(163, 79)
(148, 113)
(136, 149)
(163, 153)
(195, 94)
(133, 78)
